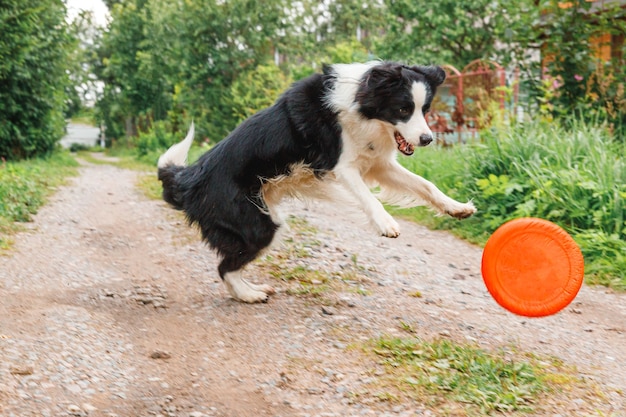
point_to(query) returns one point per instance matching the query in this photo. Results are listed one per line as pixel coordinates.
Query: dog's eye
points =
(403, 111)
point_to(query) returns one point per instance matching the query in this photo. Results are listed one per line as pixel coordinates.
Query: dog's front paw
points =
(462, 211)
(388, 227)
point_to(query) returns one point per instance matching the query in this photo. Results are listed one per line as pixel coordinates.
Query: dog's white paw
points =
(387, 226)
(267, 289)
(251, 296)
(461, 211)
(244, 291)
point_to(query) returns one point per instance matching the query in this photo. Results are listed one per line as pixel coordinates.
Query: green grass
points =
(461, 379)
(24, 187)
(575, 177)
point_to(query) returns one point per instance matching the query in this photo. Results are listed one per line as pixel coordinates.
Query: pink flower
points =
(578, 77)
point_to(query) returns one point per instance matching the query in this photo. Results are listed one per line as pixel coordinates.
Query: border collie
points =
(332, 135)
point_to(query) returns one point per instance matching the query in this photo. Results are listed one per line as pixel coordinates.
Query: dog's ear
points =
(434, 74)
(384, 74)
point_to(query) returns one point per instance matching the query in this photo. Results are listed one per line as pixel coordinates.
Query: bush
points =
(257, 89)
(33, 49)
(574, 177)
(158, 139)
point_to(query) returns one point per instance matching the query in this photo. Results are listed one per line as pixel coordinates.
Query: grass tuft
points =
(445, 374)
(25, 186)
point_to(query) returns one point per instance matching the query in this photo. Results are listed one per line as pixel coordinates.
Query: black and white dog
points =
(332, 135)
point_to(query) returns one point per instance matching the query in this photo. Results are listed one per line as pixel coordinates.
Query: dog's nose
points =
(425, 139)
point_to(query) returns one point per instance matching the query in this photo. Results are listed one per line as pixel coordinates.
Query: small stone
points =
(157, 354)
(327, 311)
(74, 410)
(21, 370)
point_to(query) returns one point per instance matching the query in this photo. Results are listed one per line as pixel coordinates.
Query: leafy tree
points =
(447, 31)
(219, 41)
(132, 98)
(348, 20)
(34, 47)
(162, 59)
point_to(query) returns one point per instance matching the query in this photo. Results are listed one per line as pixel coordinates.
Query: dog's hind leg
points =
(230, 270)
(236, 257)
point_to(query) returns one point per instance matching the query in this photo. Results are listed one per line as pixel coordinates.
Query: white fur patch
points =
(416, 125)
(348, 79)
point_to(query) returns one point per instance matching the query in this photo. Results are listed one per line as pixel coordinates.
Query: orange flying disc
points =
(532, 267)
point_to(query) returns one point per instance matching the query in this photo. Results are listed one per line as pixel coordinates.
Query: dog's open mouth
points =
(403, 146)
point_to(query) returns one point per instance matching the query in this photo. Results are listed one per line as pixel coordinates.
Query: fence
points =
(463, 103)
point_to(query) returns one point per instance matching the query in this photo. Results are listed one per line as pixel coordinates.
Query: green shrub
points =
(34, 47)
(157, 139)
(257, 89)
(574, 177)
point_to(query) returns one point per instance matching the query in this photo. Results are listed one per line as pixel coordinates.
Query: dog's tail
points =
(170, 164)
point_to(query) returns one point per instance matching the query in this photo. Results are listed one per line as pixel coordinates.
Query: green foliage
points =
(608, 252)
(34, 46)
(134, 92)
(573, 79)
(157, 140)
(446, 31)
(25, 185)
(574, 176)
(464, 374)
(313, 27)
(257, 89)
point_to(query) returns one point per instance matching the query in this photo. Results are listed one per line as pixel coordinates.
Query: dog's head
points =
(400, 95)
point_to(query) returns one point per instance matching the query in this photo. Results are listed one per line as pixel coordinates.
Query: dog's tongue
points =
(403, 146)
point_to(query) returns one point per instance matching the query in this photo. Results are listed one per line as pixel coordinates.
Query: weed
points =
(288, 265)
(24, 187)
(150, 185)
(445, 373)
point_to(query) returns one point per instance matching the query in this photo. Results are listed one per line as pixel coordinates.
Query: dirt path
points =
(110, 306)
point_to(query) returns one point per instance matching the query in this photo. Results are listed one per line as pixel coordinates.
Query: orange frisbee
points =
(532, 267)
